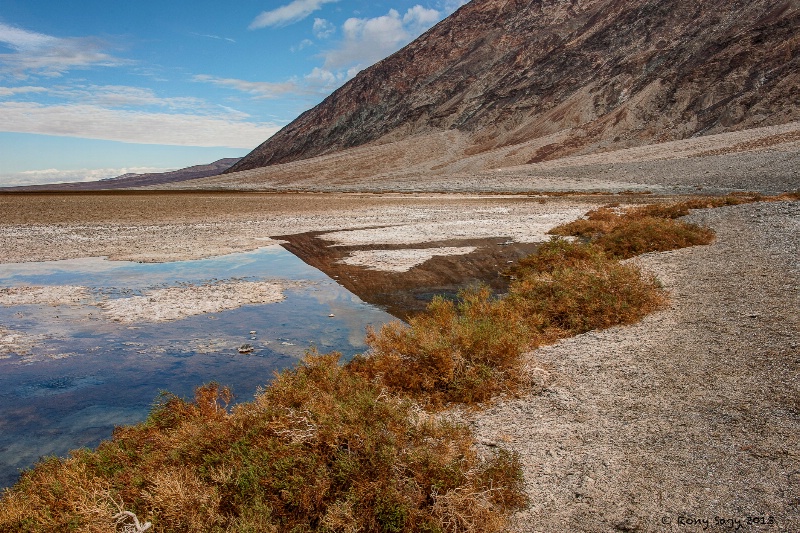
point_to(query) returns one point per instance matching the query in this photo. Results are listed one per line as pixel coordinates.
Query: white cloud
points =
(53, 175)
(215, 37)
(36, 53)
(364, 42)
(124, 96)
(305, 43)
(11, 91)
(259, 89)
(368, 40)
(20, 39)
(321, 77)
(285, 15)
(323, 29)
(418, 19)
(96, 122)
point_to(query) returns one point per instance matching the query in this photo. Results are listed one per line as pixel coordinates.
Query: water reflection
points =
(82, 373)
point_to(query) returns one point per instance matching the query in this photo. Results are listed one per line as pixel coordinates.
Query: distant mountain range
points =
(139, 180)
(558, 78)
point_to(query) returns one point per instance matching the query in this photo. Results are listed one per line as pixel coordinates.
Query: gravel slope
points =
(693, 413)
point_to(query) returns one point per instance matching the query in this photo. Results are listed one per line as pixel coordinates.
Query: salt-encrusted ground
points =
(692, 413)
(174, 303)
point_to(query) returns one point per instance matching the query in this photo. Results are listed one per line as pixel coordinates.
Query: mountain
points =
(140, 180)
(558, 78)
(158, 178)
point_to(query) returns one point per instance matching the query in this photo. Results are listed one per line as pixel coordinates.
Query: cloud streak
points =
(11, 91)
(20, 39)
(288, 14)
(258, 89)
(122, 96)
(45, 55)
(54, 175)
(215, 37)
(95, 122)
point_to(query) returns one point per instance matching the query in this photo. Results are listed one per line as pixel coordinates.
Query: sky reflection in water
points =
(88, 374)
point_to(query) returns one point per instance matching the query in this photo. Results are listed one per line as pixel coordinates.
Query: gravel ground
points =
(760, 159)
(769, 172)
(692, 414)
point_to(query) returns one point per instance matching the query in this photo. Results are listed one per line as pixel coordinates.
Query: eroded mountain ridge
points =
(584, 76)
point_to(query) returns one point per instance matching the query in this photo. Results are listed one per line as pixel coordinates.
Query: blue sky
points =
(97, 88)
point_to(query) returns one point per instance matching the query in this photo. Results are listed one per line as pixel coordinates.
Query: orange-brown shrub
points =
(588, 291)
(321, 449)
(650, 234)
(649, 228)
(465, 351)
(470, 350)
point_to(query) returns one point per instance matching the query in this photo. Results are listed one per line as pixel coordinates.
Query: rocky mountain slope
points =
(561, 77)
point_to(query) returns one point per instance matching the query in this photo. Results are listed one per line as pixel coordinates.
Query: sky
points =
(92, 89)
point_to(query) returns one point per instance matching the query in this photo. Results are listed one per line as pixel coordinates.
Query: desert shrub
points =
(597, 222)
(680, 209)
(650, 228)
(465, 351)
(587, 291)
(650, 234)
(791, 196)
(320, 449)
(557, 254)
(470, 350)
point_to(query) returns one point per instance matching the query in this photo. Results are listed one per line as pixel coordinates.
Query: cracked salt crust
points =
(521, 228)
(400, 260)
(16, 342)
(47, 295)
(180, 302)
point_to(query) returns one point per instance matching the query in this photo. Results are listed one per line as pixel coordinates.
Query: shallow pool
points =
(76, 373)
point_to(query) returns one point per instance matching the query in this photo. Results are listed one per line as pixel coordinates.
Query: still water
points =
(80, 373)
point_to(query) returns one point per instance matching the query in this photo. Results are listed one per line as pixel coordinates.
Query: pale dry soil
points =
(694, 413)
(179, 226)
(16, 342)
(401, 260)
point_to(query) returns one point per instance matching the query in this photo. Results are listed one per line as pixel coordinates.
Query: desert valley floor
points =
(692, 413)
